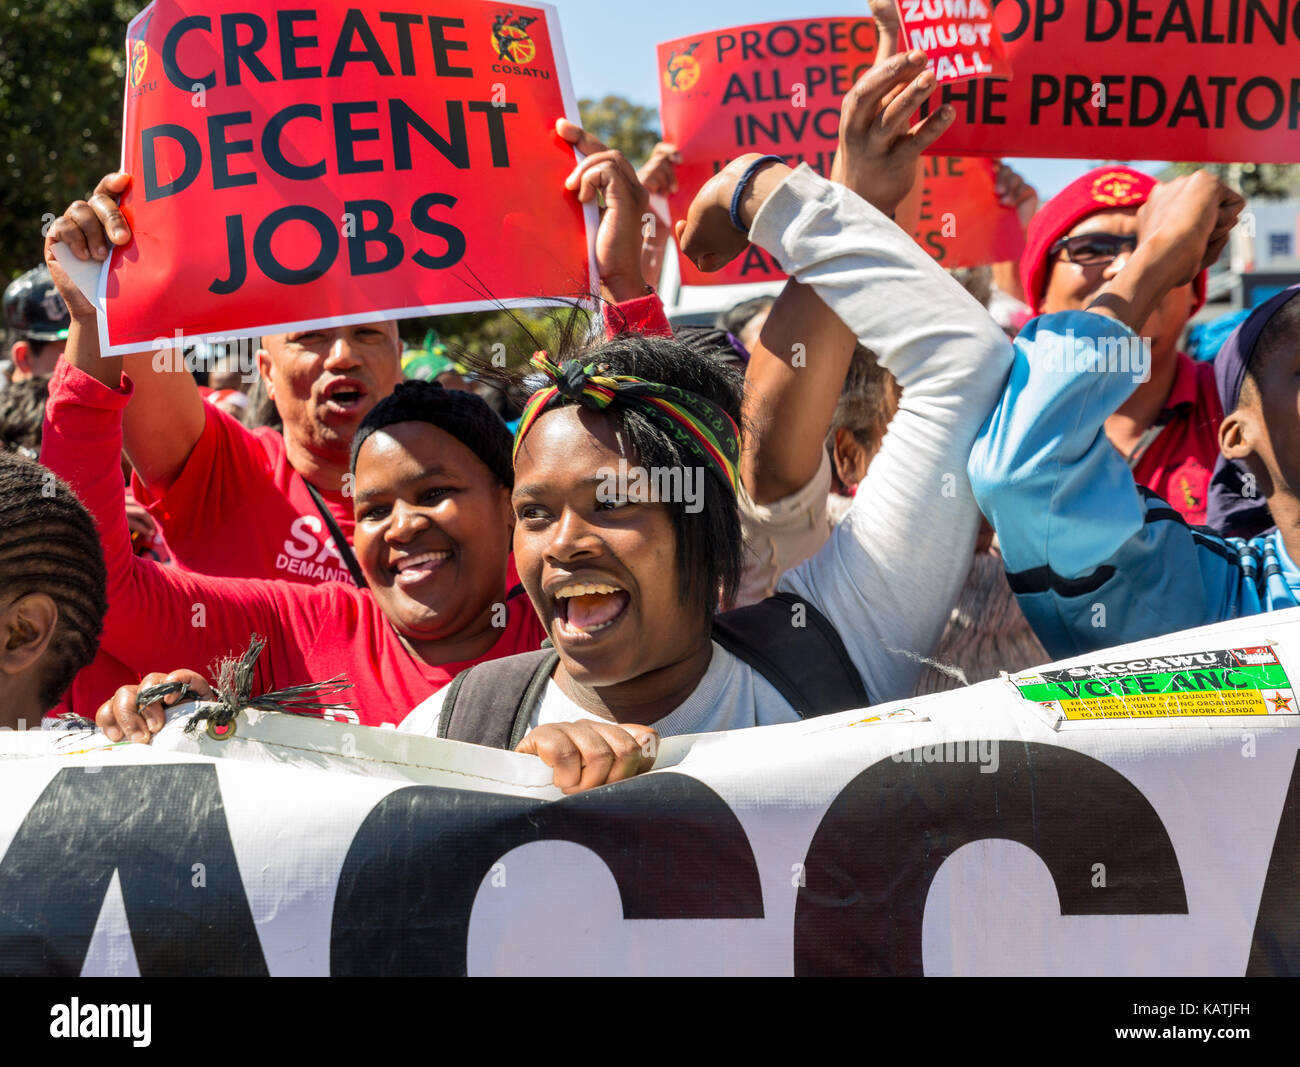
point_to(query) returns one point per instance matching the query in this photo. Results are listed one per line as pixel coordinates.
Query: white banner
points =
(1132, 812)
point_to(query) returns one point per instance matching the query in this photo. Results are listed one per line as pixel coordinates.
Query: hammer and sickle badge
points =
(1115, 189)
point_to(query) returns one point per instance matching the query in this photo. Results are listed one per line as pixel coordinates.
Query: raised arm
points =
(1095, 560)
(797, 369)
(891, 571)
(157, 447)
(157, 616)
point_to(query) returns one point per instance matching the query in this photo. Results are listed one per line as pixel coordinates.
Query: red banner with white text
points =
(959, 37)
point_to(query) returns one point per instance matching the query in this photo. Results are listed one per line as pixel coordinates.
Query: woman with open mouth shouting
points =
(626, 580)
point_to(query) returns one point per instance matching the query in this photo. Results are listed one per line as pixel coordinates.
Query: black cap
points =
(466, 416)
(34, 309)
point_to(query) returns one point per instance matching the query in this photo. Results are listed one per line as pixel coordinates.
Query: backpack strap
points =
(807, 664)
(340, 542)
(491, 703)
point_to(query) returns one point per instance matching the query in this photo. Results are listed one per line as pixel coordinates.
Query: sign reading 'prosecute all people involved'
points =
(776, 88)
(341, 163)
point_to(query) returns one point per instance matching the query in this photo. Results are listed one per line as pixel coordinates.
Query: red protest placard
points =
(958, 36)
(337, 163)
(1138, 79)
(960, 221)
(776, 88)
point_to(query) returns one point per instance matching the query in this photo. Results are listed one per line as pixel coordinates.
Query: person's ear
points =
(22, 357)
(26, 629)
(1237, 434)
(851, 459)
(264, 370)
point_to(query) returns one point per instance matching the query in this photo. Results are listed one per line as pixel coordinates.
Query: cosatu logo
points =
(1115, 189)
(139, 62)
(682, 70)
(510, 38)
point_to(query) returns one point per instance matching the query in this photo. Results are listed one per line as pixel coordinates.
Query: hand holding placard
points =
(607, 173)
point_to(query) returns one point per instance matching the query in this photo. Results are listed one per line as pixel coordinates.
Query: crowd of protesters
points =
(884, 481)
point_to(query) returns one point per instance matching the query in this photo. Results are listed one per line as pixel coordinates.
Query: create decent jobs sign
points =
(1187, 80)
(332, 163)
(777, 88)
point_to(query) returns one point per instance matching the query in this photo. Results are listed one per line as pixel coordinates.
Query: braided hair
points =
(22, 414)
(48, 544)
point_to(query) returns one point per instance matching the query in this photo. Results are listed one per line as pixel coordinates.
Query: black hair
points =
(48, 544)
(22, 414)
(466, 416)
(710, 550)
(1279, 339)
(714, 342)
(735, 319)
(867, 401)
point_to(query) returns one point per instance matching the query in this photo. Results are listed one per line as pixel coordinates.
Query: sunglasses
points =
(1094, 249)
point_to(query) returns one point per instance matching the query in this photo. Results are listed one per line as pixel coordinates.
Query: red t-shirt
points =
(240, 510)
(1180, 460)
(161, 618)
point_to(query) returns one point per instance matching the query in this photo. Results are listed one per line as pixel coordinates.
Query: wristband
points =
(745, 179)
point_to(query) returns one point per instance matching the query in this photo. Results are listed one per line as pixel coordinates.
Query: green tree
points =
(621, 124)
(489, 335)
(62, 68)
(1262, 181)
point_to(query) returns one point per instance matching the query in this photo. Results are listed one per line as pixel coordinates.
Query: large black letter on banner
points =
(410, 878)
(151, 825)
(1275, 948)
(883, 839)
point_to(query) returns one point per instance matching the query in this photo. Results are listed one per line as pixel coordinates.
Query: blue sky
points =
(611, 50)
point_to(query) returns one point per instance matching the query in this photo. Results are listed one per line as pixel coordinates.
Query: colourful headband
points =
(698, 424)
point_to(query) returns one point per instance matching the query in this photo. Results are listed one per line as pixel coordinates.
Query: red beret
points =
(1098, 190)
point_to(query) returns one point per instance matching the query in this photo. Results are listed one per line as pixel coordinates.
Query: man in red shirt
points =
(1169, 428)
(237, 502)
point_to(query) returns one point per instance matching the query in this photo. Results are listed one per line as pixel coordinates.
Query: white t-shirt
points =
(730, 696)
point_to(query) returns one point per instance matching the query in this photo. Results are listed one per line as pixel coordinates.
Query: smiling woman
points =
(432, 536)
(627, 587)
(433, 514)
